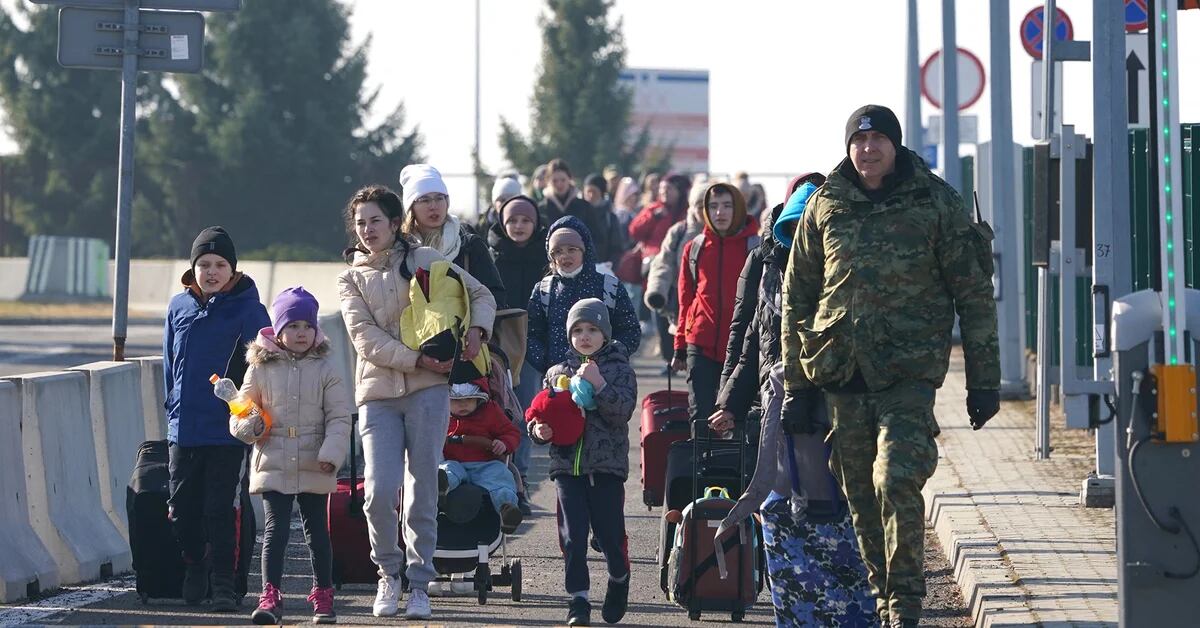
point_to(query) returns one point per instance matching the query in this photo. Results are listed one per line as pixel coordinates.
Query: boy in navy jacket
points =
(207, 329)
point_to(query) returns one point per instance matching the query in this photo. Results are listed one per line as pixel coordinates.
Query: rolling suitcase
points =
(157, 559)
(703, 575)
(348, 532)
(664, 421)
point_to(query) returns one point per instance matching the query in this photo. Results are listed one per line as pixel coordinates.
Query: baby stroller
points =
(468, 535)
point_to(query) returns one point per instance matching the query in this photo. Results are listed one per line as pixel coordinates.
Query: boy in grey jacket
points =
(590, 475)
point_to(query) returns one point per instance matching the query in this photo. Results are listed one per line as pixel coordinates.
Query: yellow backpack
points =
(437, 318)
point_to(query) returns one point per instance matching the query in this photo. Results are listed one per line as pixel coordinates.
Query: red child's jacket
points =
(706, 301)
(489, 421)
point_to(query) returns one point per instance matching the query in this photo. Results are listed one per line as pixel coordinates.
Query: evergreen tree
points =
(273, 132)
(580, 111)
(66, 123)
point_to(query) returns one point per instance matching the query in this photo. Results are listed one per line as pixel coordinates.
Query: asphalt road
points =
(52, 346)
(543, 600)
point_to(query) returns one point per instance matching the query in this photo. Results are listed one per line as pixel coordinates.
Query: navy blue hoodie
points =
(205, 336)
(548, 343)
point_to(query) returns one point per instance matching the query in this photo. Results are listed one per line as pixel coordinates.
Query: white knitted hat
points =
(417, 180)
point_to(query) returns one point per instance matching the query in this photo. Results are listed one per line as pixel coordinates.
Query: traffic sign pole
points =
(952, 170)
(129, 69)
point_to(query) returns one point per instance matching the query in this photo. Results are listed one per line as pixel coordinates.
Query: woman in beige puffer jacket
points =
(403, 395)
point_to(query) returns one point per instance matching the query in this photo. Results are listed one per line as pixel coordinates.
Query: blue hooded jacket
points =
(785, 226)
(548, 343)
(202, 337)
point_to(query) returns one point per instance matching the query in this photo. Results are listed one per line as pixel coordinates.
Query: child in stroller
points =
(479, 491)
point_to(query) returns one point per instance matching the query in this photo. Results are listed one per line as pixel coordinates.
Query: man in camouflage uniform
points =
(883, 259)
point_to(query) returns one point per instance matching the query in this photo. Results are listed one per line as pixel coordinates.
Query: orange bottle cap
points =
(213, 379)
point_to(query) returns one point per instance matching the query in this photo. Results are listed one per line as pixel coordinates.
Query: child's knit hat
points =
(294, 304)
(592, 311)
(468, 390)
(214, 240)
(565, 236)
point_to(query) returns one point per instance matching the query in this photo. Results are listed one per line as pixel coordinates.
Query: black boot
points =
(195, 582)
(616, 600)
(907, 622)
(224, 600)
(579, 613)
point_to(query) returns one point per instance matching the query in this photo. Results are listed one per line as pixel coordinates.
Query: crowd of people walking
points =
(817, 330)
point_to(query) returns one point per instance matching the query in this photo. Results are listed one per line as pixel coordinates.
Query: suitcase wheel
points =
(145, 598)
(514, 571)
(694, 615)
(737, 616)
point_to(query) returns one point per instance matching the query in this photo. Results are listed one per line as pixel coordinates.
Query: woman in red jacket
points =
(708, 277)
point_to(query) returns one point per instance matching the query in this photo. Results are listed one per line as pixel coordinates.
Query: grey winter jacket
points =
(662, 284)
(604, 447)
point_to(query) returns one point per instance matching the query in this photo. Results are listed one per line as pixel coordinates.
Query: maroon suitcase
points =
(348, 528)
(664, 421)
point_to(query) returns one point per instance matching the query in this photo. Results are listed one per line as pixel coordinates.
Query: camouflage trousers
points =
(883, 452)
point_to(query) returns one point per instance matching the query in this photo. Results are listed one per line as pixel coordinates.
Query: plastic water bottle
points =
(240, 405)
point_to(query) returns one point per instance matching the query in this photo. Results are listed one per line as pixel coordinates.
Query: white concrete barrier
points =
(62, 478)
(319, 278)
(115, 392)
(62, 267)
(12, 277)
(153, 395)
(26, 567)
(153, 282)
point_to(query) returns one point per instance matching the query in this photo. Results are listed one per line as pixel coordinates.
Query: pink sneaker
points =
(322, 601)
(270, 607)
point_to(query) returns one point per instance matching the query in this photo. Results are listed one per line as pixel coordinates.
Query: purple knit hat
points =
(294, 304)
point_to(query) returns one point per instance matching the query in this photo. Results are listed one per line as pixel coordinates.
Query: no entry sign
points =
(970, 79)
(1033, 30)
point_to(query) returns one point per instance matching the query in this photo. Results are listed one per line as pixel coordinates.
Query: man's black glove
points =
(799, 408)
(982, 405)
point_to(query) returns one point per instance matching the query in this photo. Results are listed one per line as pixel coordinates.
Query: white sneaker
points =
(387, 598)
(418, 605)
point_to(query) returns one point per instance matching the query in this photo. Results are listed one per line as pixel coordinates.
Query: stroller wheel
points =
(514, 571)
(483, 582)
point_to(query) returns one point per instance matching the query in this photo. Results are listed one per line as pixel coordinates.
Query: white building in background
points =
(673, 104)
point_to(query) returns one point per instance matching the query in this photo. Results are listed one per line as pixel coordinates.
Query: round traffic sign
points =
(1033, 28)
(1137, 16)
(970, 79)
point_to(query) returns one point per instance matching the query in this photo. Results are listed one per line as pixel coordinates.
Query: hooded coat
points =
(706, 301)
(754, 338)
(604, 446)
(548, 307)
(488, 421)
(203, 336)
(553, 208)
(309, 406)
(520, 267)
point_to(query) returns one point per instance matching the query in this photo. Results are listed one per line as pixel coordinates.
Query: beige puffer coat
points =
(374, 293)
(309, 406)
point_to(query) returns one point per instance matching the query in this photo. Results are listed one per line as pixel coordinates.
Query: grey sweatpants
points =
(410, 429)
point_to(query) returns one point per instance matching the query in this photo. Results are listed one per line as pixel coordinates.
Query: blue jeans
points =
(531, 383)
(493, 477)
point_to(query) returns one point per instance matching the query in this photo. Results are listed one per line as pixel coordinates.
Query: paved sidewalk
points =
(1023, 549)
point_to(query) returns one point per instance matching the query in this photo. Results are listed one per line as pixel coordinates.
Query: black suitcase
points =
(157, 560)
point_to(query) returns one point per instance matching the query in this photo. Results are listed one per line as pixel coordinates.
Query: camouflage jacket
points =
(874, 286)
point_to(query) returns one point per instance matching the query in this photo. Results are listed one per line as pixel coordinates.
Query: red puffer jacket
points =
(488, 421)
(706, 301)
(650, 226)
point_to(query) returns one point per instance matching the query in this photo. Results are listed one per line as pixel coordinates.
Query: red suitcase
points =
(348, 528)
(664, 421)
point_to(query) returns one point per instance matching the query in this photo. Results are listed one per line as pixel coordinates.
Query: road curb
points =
(983, 572)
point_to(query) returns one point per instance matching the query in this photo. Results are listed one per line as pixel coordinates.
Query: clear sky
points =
(784, 74)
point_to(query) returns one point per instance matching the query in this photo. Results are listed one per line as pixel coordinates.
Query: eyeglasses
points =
(431, 200)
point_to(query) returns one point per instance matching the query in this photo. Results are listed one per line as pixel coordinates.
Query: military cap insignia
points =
(864, 123)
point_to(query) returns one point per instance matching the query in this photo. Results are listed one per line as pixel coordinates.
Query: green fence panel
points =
(1143, 214)
(1027, 263)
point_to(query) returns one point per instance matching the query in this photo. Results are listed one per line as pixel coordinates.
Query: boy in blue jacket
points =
(208, 327)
